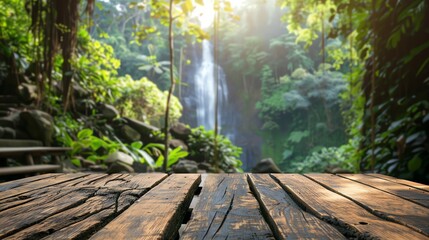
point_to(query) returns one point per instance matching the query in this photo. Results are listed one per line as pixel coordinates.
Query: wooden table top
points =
(220, 206)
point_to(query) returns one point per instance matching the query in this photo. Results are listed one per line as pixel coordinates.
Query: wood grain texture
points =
(378, 202)
(20, 182)
(84, 203)
(401, 181)
(332, 207)
(25, 187)
(415, 195)
(226, 210)
(286, 218)
(156, 215)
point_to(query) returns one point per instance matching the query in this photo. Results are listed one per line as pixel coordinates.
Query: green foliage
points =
(401, 149)
(325, 159)
(383, 93)
(173, 156)
(299, 73)
(300, 92)
(202, 148)
(95, 68)
(301, 114)
(142, 99)
(97, 149)
(297, 136)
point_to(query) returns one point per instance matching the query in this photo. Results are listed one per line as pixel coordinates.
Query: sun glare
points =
(206, 13)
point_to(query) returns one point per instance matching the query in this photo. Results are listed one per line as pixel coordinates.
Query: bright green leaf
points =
(85, 133)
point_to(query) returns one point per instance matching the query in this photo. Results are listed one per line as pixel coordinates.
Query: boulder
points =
(140, 167)
(185, 166)
(21, 134)
(98, 168)
(39, 125)
(266, 166)
(145, 130)
(85, 106)
(180, 131)
(127, 134)
(6, 122)
(120, 167)
(109, 112)
(119, 157)
(9, 133)
(174, 143)
(27, 92)
(11, 121)
(205, 166)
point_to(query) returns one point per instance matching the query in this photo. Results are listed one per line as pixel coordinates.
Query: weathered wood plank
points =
(226, 210)
(341, 211)
(86, 205)
(61, 182)
(378, 202)
(287, 219)
(401, 181)
(43, 183)
(29, 213)
(156, 215)
(413, 194)
(17, 183)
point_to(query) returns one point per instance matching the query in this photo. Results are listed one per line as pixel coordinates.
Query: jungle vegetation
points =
(317, 84)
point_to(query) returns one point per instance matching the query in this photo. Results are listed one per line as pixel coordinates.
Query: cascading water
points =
(204, 86)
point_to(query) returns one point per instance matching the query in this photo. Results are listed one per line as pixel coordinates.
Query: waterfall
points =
(204, 82)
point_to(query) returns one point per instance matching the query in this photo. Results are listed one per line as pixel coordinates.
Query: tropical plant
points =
(301, 114)
(326, 159)
(97, 149)
(202, 147)
(394, 80)
(143, 100)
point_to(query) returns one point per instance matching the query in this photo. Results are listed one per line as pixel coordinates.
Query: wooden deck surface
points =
(213, 206)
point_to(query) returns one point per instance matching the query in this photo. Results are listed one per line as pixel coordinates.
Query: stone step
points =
(20, 143)
(4, 113)
(9, 99)
(42, 168)
(7, 106)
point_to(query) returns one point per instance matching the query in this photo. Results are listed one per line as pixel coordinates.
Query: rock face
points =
(145, 130)
(119, 157)
(174, 143)
(185, 166)
(109, 112)
(11, 121)
(39, 125)
(119, 167)
(119, 162)
(266, 166)
(28, 92)
(128, 134)
(180, 131)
